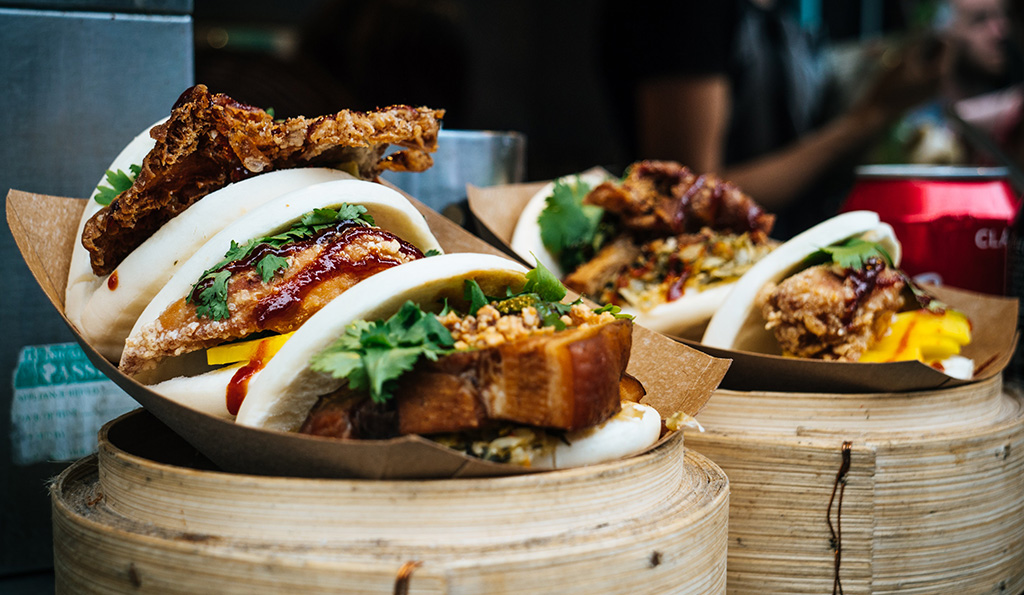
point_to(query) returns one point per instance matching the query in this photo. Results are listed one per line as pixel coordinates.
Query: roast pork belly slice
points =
(567, 380)
(318, 271)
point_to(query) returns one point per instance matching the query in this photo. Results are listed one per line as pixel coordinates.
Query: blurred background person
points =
(982, 88)
(738, 89)
(984, 58)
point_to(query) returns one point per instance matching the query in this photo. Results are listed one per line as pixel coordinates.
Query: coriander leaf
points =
(851, 254)
(385, 365)
(270, 265)
(213, 300)
(413, 327)
(341, 364)
(307, 226)
(474, 295)
(119, 182)
(432, 252)
(544, 283)
(567, 226)
(385, 349)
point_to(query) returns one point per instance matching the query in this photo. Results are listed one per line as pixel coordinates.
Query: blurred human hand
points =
(907, 77)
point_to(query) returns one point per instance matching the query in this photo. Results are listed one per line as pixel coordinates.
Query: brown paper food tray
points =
(677, 377)
(993, 318)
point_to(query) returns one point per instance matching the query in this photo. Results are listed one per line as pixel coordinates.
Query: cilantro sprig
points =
(373, 355)
(568, 228)
(853, 253)
(210, 292)
(118, 182)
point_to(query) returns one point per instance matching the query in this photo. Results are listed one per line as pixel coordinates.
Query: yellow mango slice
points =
(244, 351)
(922, 335)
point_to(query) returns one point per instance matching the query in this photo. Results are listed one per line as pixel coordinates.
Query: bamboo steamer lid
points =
(147, 514)
(931, 498)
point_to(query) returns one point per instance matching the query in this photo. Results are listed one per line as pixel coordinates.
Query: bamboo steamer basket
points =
(930, 500)
(147, 514)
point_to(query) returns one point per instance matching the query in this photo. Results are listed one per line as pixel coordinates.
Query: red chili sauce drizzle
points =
(112, 281)
(330, 263)
(238, 386)
(335, 238)
(678, 273)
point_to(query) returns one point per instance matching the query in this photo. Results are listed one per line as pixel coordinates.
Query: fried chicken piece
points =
(830, 313)
(211, 140)
(666, 198)
(317, 272)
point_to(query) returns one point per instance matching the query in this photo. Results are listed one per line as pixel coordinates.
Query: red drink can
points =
(953, 222)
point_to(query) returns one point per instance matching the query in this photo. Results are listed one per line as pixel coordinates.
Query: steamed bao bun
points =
(738, 324)
(187, 378)
(103, 309)
(282, 394)
(686, 316)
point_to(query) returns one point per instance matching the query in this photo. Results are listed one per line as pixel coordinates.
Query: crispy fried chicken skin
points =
(666, 198)
(319, 269)
(831, 313)
(566, 380)
(211, 140)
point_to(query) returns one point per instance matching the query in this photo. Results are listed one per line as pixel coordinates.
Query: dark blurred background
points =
(533, 66)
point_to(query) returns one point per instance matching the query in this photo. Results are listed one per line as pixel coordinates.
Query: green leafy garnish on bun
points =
(373, 355)
(849, 254)
(569, 228)
(119, 182)
(210, 292)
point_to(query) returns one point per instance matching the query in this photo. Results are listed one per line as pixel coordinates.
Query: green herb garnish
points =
(850, 254)
(210, 292)
(119, 182)
(213, 299)
(569, 228)
(373, 355)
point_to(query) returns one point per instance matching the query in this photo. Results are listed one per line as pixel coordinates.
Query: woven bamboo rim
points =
(326, 511)
(651, 524)
(932, 500)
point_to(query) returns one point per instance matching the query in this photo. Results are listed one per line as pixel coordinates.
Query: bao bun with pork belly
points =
(470, 350)
(262, 277)
(835, 292)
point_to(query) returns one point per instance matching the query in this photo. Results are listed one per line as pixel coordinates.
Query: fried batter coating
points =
(831, 313)
(211, 140)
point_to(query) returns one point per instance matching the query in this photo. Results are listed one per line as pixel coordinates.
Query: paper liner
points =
(497, 209)
(676, 377)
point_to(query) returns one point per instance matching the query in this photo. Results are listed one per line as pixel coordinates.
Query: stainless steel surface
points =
(78, 85)
(478, 157)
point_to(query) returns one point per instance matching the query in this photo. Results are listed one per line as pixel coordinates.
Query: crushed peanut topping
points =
(489, 327)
